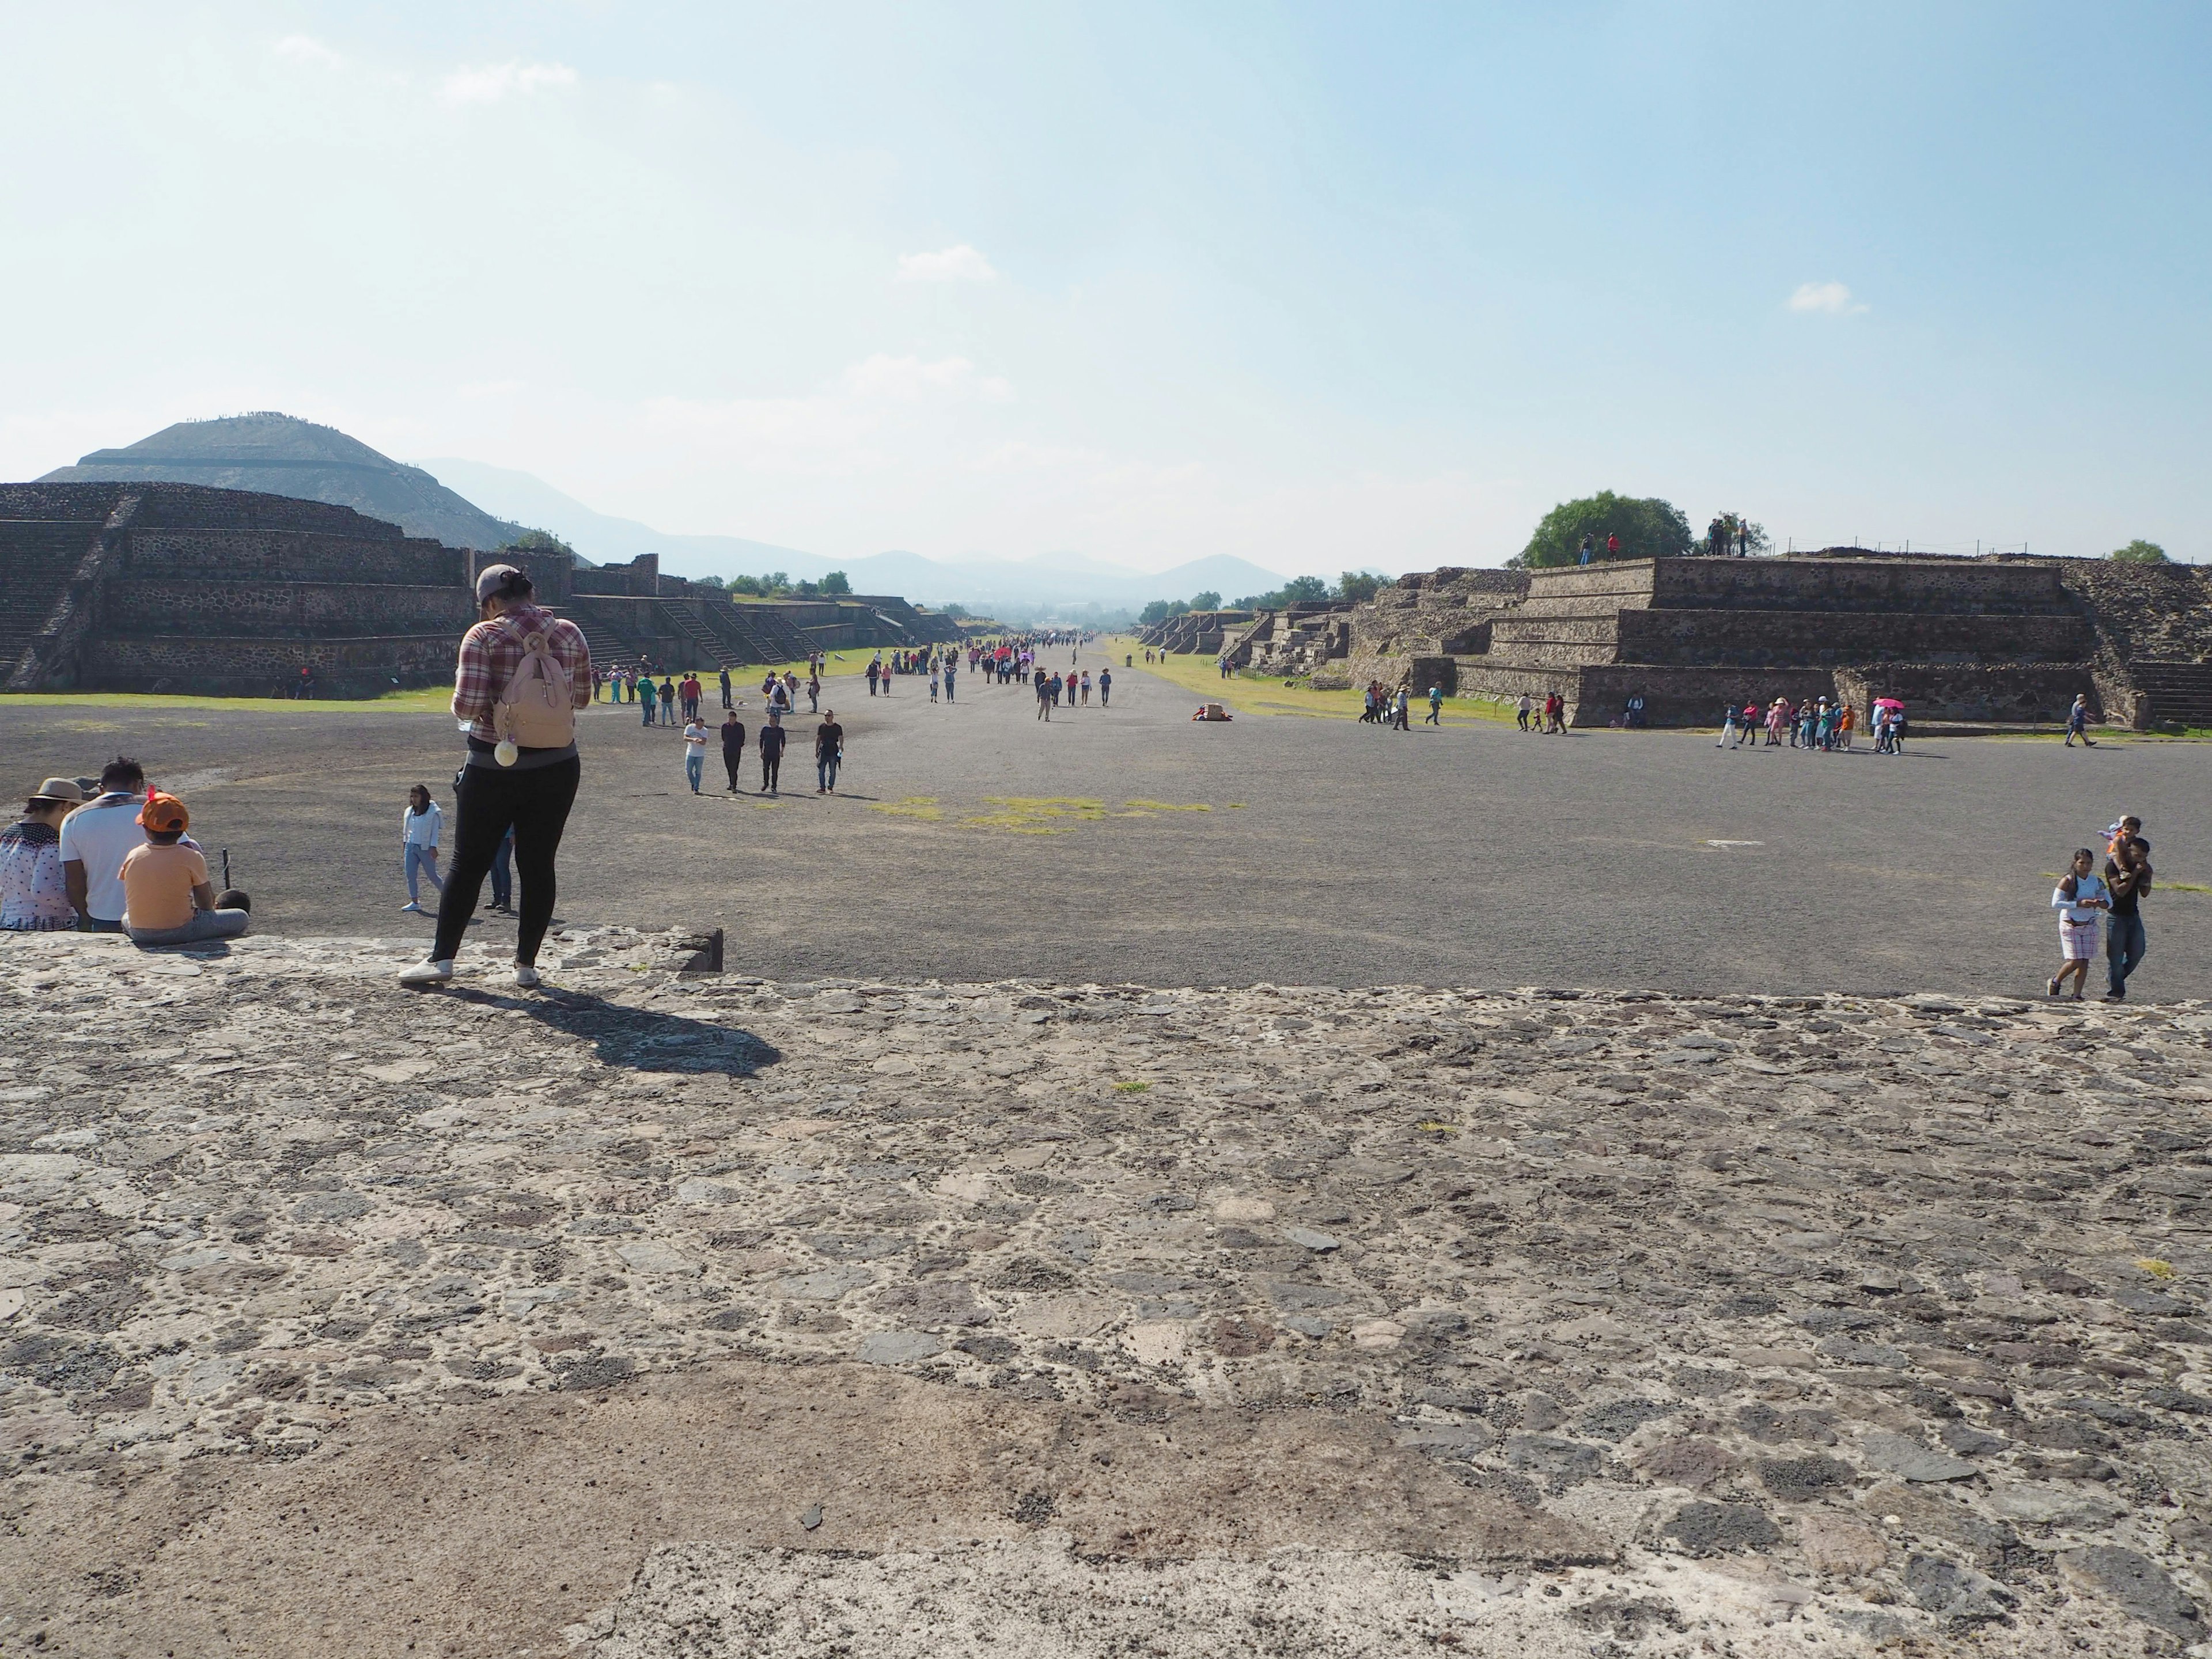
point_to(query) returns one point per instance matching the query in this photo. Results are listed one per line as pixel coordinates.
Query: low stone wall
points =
(2011, 693)
(294, 555)
(219, 667)
(136, 604)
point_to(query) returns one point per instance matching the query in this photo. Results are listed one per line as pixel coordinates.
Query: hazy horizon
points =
(1145, 284)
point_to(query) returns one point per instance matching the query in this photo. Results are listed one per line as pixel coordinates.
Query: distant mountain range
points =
(467, 504)
(1057, 578)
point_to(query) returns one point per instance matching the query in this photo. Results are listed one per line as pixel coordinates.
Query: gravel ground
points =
(666, 1313)
(975, 842)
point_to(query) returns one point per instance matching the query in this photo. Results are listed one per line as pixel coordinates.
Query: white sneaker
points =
(526, 975)
(427, 973)
(411, 905)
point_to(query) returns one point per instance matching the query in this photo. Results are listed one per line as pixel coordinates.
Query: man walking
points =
(771, 752)
(1105, 686)
(952, 669)
(734, 746)
(2127, 875)
(1436, 706)
(828, 753)
(726, 688)
(2077, 722)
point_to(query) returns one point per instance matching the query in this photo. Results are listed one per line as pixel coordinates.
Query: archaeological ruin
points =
(1993, 640)
(176, 587)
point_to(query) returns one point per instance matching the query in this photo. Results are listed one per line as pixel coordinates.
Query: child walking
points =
(2080, 895)
(421, 828)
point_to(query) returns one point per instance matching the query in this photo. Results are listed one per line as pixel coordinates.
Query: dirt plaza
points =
(1130, 844)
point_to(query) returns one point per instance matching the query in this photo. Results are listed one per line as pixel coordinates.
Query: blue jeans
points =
(693, 766)
(646, 705)
(204, 925)
(417, 863)
(825, 771)
(2125, 944)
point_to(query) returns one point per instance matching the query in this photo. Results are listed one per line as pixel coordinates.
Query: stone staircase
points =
(2180, 693)
(37, 556)
(774, 639)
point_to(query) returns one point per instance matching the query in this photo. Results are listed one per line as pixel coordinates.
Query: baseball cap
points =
(163, 812)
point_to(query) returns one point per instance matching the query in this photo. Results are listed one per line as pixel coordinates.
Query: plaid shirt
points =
(492, 651)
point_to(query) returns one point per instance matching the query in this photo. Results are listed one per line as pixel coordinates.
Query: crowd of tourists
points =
(1815, 723)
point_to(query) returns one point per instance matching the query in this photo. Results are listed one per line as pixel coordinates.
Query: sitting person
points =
(166, 896)
(34, 893)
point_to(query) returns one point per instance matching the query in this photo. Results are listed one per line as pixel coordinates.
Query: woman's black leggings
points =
(536, 803)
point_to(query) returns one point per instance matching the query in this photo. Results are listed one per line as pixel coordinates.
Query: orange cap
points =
(163, 812)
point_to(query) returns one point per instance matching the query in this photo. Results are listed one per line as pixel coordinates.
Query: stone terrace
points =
(1890, 1314)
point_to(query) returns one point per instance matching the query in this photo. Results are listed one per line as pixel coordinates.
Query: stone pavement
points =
(1625, 1323)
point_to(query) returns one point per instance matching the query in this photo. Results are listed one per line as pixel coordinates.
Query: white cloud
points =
(494, 82)
(907, 380)
(305, 49)
(962, 263)
(1831, 298)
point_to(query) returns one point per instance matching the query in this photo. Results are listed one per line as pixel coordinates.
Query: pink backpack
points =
(537, 711)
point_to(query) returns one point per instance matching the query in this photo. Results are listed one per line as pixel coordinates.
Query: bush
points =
(836, 583)
(1648, 528)
(2140, 552)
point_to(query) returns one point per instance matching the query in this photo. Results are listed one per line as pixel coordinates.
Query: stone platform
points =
(480, 1321)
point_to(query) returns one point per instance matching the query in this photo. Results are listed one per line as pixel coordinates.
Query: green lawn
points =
(425, 699)
(1249, 693)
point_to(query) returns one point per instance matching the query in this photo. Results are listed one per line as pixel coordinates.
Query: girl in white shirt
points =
(2080, 895)
(421, 827)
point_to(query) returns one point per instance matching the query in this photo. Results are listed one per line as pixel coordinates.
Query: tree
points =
(1209, 601)
(539, 541)
(836, 583)
(958, 612)
(1160, 611)
(2140, 552)
(809, 588)
(1358, 586)
(1648, 528)
(714, 582)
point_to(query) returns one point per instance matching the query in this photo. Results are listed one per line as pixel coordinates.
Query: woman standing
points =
(2080, 895)
(522, 674)
(421, 828)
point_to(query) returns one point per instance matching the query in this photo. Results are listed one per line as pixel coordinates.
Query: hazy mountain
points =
(278, 455)
(1058, 578)
(607, 540)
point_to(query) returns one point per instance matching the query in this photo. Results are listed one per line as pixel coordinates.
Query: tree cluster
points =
(776, 585)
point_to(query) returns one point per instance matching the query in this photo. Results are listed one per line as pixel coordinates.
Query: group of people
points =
(2084, 896)
(1815, 723)
(118, 858)
(1052, 687)
(1548, 716)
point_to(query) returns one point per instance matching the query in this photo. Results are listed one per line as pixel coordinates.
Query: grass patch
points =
(1131, 1088)
(1164, 806)
(1036, 815)
(1249, 693)
(913, 806)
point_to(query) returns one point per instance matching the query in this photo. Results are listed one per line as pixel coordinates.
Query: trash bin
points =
(1129, 660)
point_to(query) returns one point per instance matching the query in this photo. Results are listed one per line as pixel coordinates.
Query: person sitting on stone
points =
(168, 898)
(34, 892)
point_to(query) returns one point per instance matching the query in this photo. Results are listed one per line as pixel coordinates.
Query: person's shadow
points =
(640, 1039)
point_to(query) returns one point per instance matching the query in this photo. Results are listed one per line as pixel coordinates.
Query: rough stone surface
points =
(306, 1271)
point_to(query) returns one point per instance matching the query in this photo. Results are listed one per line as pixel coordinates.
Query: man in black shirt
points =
(734, 746)
(829, 751)
(771, 753)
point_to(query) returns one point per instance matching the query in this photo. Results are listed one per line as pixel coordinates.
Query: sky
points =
(1322, 286)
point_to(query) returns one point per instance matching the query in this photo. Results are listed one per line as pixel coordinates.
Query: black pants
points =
(730, 764)
(535, 804)
(770, 765)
